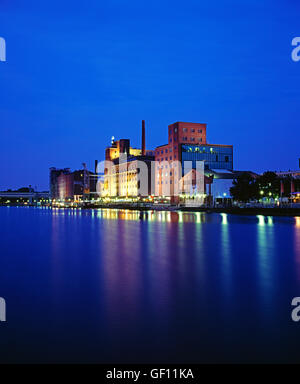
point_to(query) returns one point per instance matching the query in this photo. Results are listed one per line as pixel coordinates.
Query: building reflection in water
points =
(121, 264)
(146, 267)
(135, 276)
(61, 221)
(224, 219)
(200, 263)
(56, 230)
(160, 276)
(146, 270)
(166, 253)
(297, 245)
(226, 268)
(159, 216)
(266, 252)
(136, 264)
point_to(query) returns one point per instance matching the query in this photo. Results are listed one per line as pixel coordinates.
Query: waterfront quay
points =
(292, 211)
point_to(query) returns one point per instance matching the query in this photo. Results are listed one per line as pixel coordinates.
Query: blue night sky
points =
(79, 72)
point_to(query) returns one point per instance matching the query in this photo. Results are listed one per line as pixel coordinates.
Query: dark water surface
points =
(120, 286)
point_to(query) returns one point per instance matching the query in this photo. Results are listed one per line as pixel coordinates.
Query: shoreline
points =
(288, 212)
(278, 211)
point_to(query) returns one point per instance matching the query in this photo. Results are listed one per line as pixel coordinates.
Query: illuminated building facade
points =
(187, 148)
(192, 186)
(128, 170)
(53, 180)
(121, 147)
(294, 179)
(129, 177)
(66, 185)
(290, 174)
(172, 170)
(214, 156)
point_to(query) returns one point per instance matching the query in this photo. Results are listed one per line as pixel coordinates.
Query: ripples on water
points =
(129, 286)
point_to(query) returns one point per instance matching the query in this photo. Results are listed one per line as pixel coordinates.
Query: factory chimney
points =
(143, 139)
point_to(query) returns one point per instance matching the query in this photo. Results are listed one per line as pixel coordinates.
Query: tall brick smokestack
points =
(143, 138)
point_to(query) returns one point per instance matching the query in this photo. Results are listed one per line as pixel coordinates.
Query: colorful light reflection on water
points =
(129, 286)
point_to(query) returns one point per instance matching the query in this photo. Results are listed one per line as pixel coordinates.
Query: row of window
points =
(192, 139)
(166, 174)
(207, 157)
(192, 130)
(167, 158)
(207, 149)
(166, 167)
(165, 151)
(166, 182)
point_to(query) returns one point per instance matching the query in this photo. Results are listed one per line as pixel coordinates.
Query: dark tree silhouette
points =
(269, 184)
(244, 188)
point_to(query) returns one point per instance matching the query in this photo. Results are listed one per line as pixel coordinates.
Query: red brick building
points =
(166, 178)
(187, 142)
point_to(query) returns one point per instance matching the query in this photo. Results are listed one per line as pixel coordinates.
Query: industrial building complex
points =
(180, 171)
(188, 170)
